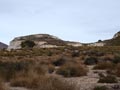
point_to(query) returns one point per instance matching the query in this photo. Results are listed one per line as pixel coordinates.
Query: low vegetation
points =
(100, 88)
(41, 69)
(39, 81)
(72, 70)
(9, 69)
(60, 61)
(104, 66)
(116, 59)
(91, 60)
(108, 79)
(27, 44)
(117, 70)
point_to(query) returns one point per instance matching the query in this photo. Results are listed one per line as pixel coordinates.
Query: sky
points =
(74, 20)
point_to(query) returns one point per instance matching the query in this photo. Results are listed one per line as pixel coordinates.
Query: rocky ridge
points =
(50, 41)
(41, 41)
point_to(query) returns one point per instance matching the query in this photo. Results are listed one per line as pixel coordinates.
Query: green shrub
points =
(51, 68)
(60, 61)
(116, 59)
(91, 60)
(75, 53)
(72, 70)
(117, 70)
(9, 69)
(100, 88)
(49, 53)
(27, 44)
(108, 79)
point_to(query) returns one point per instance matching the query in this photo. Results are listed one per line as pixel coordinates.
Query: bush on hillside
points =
(104, 66)
(9, 69)
(116, 59)
(100, 88)
(91, 60)
(117, 70)
(108, 79)
(60, 61)
(75, 53)
(51, 68)
(72, 70)
(27, 44)
(41, 82)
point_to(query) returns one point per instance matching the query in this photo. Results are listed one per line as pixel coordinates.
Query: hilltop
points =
(2, 45)
(115, 41)
(50, 41)
(41, 41)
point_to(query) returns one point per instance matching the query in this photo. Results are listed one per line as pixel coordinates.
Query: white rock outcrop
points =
(14, 45)
(75, 44)
(41, 41)
(97, 44)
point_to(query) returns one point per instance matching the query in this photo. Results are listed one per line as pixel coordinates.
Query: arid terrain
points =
(64, 68)
(45, 62)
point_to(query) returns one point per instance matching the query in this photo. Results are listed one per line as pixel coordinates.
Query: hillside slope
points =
(115, 41)
(2, 45)
(41, 41)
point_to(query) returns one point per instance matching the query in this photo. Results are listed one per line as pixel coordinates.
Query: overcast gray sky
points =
(76, 20)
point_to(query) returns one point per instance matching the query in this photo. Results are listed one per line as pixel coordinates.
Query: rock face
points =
(2, 45)
(41, 41)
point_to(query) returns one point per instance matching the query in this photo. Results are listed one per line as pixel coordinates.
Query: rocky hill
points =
(2, 45)
(40, 40)
(115, 41)
(50, 41)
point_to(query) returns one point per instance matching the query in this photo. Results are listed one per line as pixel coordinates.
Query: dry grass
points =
(72, 70)
(104, 66)
(108, 79)
(34, 75)
(41, 82)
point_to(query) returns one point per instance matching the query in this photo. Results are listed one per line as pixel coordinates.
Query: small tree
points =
(99, 40)
(27, 44)
(91, 60)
